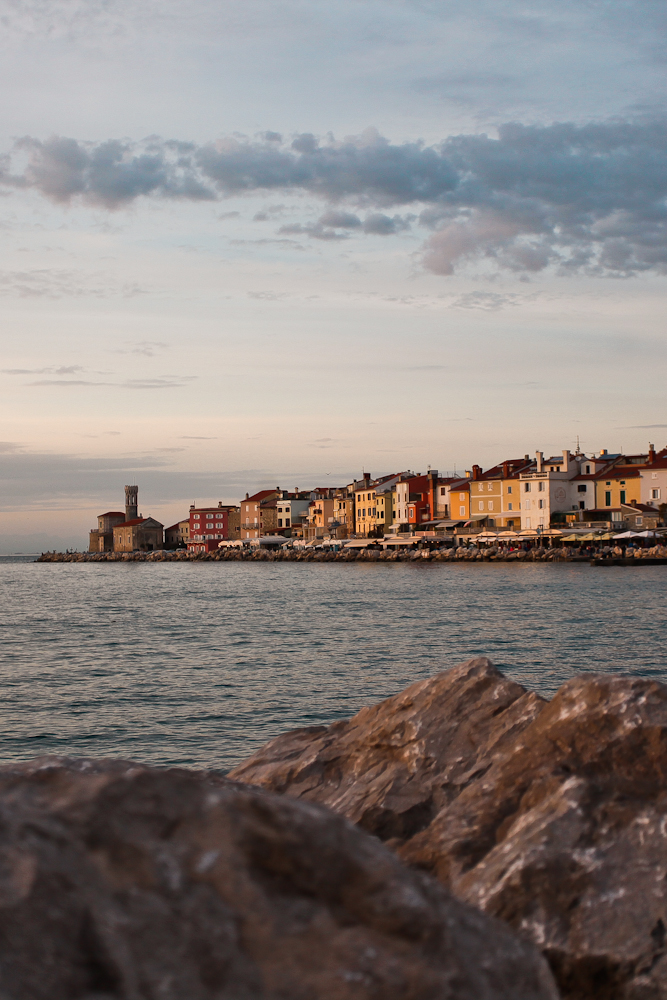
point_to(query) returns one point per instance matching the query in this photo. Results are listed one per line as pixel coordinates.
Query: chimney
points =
(566, 459)
(527, 458)
(476, 471)
(651, 454)
(539, 459)
(367, 477)
(247, 496)
(468, 474)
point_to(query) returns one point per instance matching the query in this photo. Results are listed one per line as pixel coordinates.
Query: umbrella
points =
(628, 534)
(571, 538)
(647, 534)
(552, 533)
(528, 531)
(508, 534)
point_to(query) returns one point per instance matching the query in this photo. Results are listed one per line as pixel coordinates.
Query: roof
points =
(262, 495)
(113, 513)
(174, 527)
(644, 508)
(132, 523)
(514, 467)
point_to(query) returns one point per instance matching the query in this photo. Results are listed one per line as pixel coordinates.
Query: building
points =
(495, 495)
(258, 516)
(177, 535)
(413, 494)
(546, 490)
(208, 526)
(320, 515)
(101, 538)
(140, 534)
(126, 532)
(290, 509)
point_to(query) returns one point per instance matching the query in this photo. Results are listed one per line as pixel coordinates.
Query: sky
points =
(284, 242)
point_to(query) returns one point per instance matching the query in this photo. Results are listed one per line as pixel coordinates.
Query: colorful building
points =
(208, 526)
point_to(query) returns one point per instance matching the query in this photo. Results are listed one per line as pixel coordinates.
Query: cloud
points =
(267, 296)
(9, 447)
(196, 437)
(643, 427)
(146, 348)
(175, 382)
(53, 283)
(585, 198)
(488, 301)
(62, 370)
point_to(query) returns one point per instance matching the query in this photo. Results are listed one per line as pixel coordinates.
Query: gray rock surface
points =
(552, 817)
(123, 882)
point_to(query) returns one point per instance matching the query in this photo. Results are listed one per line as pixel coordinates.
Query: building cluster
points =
(572, 489)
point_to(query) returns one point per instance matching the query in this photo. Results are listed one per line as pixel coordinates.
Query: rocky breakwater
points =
(460, 554)
(123, 882)
(549, 815)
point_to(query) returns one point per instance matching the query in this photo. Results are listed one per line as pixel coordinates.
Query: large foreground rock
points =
(126, 882)
(552, 816)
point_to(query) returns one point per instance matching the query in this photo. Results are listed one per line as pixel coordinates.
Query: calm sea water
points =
(199, 664)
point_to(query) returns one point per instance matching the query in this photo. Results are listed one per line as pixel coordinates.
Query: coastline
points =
(456, 556)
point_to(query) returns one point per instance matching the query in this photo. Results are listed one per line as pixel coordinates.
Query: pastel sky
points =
(257, 242)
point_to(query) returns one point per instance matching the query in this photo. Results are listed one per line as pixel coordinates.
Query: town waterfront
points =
(198, 663)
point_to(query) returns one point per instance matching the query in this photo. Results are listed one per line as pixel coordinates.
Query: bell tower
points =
(131, 503)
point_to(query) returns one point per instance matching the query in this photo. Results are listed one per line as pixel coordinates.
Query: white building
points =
(548, 489)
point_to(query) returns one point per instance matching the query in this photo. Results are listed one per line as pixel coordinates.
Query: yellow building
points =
(614, 487)
(495, 498)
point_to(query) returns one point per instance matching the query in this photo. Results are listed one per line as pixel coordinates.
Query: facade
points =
(141, 534)
(207, 526)
(319, 516)
(100, 539)
(257, 517)
(412, 500)
(495, 495)
(456, 497)
(290, 509)
(545, 488)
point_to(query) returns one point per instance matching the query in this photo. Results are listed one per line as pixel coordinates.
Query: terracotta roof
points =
(132, 523)
(173, 527)
(113, 513)
(262, 495)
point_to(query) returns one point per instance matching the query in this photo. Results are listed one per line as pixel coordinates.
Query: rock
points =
(394, 766)
(552, 817)
(123, 882)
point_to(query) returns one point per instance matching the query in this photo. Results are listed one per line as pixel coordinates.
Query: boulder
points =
(552, 817)
(394, 766)
(124, 882)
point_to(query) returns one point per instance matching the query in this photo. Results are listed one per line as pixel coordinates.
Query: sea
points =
(198, 664)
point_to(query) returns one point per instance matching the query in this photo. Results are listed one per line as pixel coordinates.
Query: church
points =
(126, 532)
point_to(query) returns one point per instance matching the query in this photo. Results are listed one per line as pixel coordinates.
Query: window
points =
(412, 512)
(509, 506)
(607, 484)
(540, 487)
(280, 522)
(655, 494)
(588, 469)
(443, 491)
(462, 511)
(528, 522)
(526, 487)
(622, 496)
(622, 482)
(581, 489)
(481, 505)
(540, 504)
(509, 489)
(526, 505)
(607, 498)
(489, 486)
(654, 475)
(490, 504)
(196, 517)
(462, 496)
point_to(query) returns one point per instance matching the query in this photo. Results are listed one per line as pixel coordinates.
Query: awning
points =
(446, 523)
(475, 517)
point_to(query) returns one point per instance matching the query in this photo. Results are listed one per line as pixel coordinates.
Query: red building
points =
(209, 526)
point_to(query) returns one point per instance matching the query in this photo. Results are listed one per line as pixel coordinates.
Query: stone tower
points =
(131, 507)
